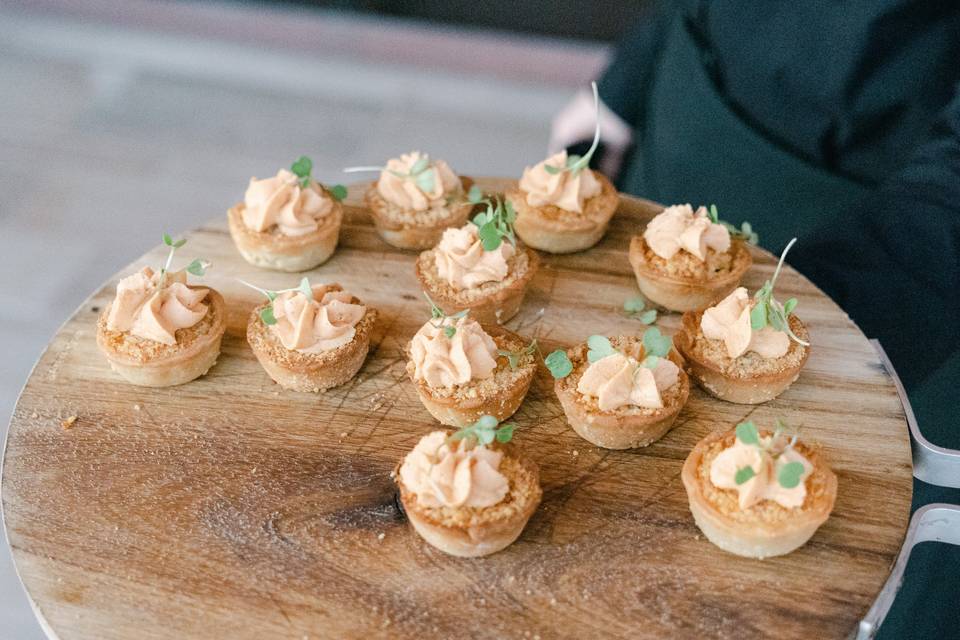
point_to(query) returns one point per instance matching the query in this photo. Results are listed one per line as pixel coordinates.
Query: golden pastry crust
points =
(747, 379)
(625, 427)
(684, 283)
(491, 302)
(555, 230)
(500, 395)
(417, 230)
(471, 532)
(153, 364)
(765, 529)
(275, 250)
(314, 372)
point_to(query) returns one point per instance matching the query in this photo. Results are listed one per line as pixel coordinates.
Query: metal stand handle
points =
(930, 523)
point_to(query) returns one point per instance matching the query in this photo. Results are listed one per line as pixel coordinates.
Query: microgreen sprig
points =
(303, 166)
(655, 345)
(789, 474)
(745, 231)
(266, 314)
(635, 307)
(198, 267)
(514, 357)
(484, 431)
(767, 310)
(495, 223)
(558, 363)
(422, 174)
(438, 317)
(576, 163)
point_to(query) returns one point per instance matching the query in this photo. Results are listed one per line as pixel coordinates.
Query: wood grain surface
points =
(228, 508)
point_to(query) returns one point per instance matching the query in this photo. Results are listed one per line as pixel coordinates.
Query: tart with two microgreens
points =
(623, 392)
(562, 205)
(289, 222)
(686, 259)
(311, 337)
(480, 266)
(742, 350)
(159, 331)
(758, 494)
(463, 370)
(415, 199)
(469, 493)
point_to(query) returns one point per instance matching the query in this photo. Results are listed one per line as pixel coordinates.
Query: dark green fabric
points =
(838, 123)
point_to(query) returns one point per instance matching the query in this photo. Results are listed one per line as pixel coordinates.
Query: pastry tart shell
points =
(758, 538)
(169, 366)
(754, 388)
(487, 530)
(495, 307)
(555, 230)
(499, 398)
(316, 372)
(616, 429)
(274, 250)
(678, 293)
(416, 230)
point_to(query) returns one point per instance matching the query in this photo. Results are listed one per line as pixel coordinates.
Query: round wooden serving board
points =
(228, 508)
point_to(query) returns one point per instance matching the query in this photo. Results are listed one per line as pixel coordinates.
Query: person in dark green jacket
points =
(838, 123)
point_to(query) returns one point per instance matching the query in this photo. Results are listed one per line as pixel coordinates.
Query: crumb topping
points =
(687, 266)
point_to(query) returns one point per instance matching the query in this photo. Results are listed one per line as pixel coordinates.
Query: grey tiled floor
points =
(110, 136)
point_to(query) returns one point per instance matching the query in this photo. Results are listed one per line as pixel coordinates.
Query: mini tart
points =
(275, 250)
(471, 532)
(153, 364)
(747, 379)
(554, 230)
(499, 396)
(490, 303)
(766, 529)
(684, 283)
(626, 427)
(315, 372)
(417, 230)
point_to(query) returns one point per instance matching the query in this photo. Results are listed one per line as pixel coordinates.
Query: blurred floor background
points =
(122, 120)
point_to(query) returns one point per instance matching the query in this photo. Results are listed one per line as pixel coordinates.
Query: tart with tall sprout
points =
(289, 222)
(310, 337)
(480, 266)
(469, 493)
(463, 370)
(742, 350)
(758, 493)
(562, 204)
(160, 331)
(687, 259)
(623, 392)
(415, 199)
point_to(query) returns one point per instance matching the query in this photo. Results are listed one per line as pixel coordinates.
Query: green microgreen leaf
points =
(758, 316)
(599, 348)
(489, 236)
(514, 357)
(198, 267)
(167, 240)
(559, 364)
(505, 433)
(655, 343)
(634, 305)
(743, 474)
(648, 317)
(338, 192)
(484, 431)
(747, 433)
(449, 331)
(302, 167)
(422, 163)
(650, 362)
(789, 306)
(789, 474)
(426, 181)
(552, 170)
(266, 314)
(713, 215)
(495, 224)
(475, 195)
(306, 289)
